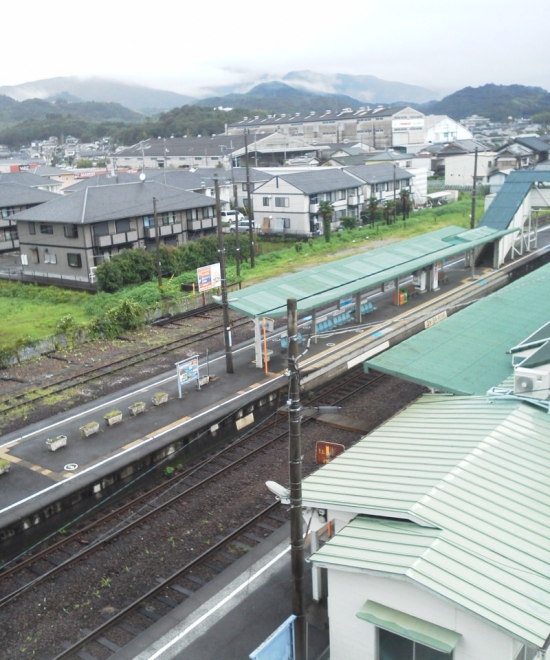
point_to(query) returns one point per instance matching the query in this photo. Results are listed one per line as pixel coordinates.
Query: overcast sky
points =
(186, 46)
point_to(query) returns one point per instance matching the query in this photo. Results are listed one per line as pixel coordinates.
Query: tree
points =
(373, 205)
(405, 198)
(326, 211)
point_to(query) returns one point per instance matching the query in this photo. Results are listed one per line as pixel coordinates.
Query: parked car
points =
(232, 216)
(243, 225)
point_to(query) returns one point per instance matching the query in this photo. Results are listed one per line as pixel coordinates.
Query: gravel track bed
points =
(35, 624)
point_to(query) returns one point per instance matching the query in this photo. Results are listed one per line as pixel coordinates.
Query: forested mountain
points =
(278, 97)
(497, 102)
(142, 99)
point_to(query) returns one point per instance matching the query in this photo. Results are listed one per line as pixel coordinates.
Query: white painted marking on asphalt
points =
(219, 605)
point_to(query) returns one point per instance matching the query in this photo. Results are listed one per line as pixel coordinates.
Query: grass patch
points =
(34, 311)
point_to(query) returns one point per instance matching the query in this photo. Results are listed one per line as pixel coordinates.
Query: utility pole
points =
(295, 464)
(157, 243)
(223, 283)
(473, 214)
(394, 197)
(236, 204)
(250, 206)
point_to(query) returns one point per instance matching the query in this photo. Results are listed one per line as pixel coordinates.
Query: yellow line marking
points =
(36, 468)
(133, 444)
(46, 472)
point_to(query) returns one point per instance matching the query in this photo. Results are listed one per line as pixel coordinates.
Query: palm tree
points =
(326, 211)
(405, 203)
(373, 205)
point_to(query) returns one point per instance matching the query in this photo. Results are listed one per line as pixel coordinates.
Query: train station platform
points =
(42, 483)
(246, 604)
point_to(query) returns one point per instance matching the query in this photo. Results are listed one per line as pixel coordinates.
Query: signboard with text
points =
(187, 371)
(209, 277)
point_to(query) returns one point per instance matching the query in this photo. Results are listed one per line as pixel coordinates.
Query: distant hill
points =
(13, 112)
(139, 98)
(277, 97)
(367, 89)
(497, 102)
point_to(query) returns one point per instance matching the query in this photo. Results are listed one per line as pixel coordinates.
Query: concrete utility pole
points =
(295, 463)
(474, 187)
(223, 282)
(250, 205)
(236, 203)
(157, 243)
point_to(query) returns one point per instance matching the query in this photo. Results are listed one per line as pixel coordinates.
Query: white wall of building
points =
(441, 129)
(459, 170)
(352, 638)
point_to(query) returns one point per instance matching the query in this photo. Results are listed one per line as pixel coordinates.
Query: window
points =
(395, 647)
(11, 210)
(46, 229)
(122, 226)
(313, 199)
(11, 235)
(265, 201)
(148, 221)
(101, 229)
(281, 202)
(32, 228)
(341, 194)
(24, 260)
(49, 258)
(191, 214)
(526, 654)
(285, 222)
(74, 260)
(71, 231)
(168, 218)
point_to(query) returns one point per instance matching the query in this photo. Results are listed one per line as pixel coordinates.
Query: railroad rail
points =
(70, 550)
(25, 395)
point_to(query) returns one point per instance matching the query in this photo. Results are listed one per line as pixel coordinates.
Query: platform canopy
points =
(325, 284)
(469, 352)
(509, 198)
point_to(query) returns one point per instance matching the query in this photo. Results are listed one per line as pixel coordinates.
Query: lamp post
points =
(223, 283)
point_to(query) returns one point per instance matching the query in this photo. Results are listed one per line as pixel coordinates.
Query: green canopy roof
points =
(322, 285)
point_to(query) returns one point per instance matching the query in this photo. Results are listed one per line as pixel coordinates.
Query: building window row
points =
(10, 210)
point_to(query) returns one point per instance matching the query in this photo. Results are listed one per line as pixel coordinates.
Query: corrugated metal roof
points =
(467, 353)
(509, 198)
(483, 534)
(319, 286)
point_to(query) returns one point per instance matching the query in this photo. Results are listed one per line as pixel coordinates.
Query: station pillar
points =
(259, 358)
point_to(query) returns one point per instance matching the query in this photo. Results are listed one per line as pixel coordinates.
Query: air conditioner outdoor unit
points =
(534, 383)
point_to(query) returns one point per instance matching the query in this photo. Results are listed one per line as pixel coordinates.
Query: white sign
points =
(209, 277)
(435, 319)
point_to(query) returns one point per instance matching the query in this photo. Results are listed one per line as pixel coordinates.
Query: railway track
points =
(26, 394)
(71, 550)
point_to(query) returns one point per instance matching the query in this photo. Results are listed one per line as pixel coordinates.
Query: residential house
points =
(288, 204)
(31, 180)
(441, 129)
(384, 181)
(186, 152)
(15, 197)
(459, 170)
(62, 242)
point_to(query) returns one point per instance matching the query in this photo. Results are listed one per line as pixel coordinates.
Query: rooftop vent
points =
(297, 114)
(256, 117)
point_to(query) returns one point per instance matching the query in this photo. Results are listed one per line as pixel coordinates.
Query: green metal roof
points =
(322, 285)
(475, 501)
(467, 353)
(509, 198)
